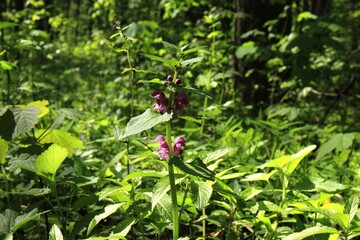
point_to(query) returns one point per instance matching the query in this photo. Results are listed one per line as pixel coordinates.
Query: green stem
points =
(172, 184)
(204, 110)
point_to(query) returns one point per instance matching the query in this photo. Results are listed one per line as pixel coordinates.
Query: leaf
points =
(7, 25)
(70, 113)
(351, 206)
(171, 48)
(141, 174)
(55, 233)
(4, 65)
(60, 137)
(23, 161)
(339, 141)
(123, 228)
(250, 192)
(247, 48)
(164, 206)
(110, 209)
(311, 231)
(42, 106)
(191, 61)
(159, 191)
(195, 168)
(144, 122)
(306, 15)
(259, 176)
(7, 219)
(4, 147)
(50, 160)
(25, 119)
(21, 220)
(196, 90)
(202, 192)
(217, 154)
(171, 63)
(8, 124)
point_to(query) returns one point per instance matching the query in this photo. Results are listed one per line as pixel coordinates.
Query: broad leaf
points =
(110, 209)
(42, 106)
(217, 154)
(160, 190)
(8, 124)
(201, 192)
(21, 220)
(55, 233)
(195, 168)
(171, 48)
(23, 161)
(4, 146)
(123, 228)
(164, 206)
(50, 160)
(311, 232)
(351, 206)
(25, 119)
(250, 192)
(144, 122)
(339, 141)
(59, 137)
(171, 63)
(191, 61)
(70, 113)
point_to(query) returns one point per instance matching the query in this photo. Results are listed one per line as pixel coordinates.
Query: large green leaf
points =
(191, 61)
(144, 122)
(159, 191)
(110, 209)
(4, 146)
(339, 141)
(201, 192)
(55, 233)
(61, 138)
(11, 221)
(311, 231)
(123, 228)
(171, 48)
(351, 206)
(25, 119)
(195, 168)
(172, 63)
(50, 160)
(23, 161)
(164, 206)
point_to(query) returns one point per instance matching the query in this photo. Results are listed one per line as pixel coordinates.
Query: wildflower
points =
(163, 150)
(178, 82)
(180, 101)
(161, 101)
(179, 146)
(169, 78)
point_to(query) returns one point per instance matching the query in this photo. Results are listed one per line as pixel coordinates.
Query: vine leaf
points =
(25, 119)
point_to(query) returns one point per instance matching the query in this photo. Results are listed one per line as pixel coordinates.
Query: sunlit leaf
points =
(339, 141)
(195, 168)
(25, 119)
(50, 160)
(164, 206)
(201, 192)
(110, 209)
(144, 122)
(191, 61)
(250, 192)
(351, 206)
(217, 154)
(311, 231)
(123, 228)
(171, 48)
(159, 191)
(4, 146)
(42, 106)
(55, 233)
(259, 176)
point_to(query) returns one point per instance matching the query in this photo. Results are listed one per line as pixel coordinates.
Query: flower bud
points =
(169, 78)
(178, 82)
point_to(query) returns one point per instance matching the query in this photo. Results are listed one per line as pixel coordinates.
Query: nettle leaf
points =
(160, 190)
(110, 209)
(195, 168)
(164, 206)
(191, 61)
(25, 119)
(60, 137)
(202, 192)
(339, 141)
(23, 161)
(311, 231)
(123, 228)
(55, 233)
(8, 124)
(170, 62)
(217, 154)
(171, 48)
(42, 106)
(4, 147)
(144, 122)
(50, 160)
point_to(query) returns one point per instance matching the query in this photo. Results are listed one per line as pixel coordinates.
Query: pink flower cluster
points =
(162, 102)
(164, 149)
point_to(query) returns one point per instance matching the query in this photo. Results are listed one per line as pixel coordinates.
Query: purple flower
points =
(180, 101)
(163, 150)
(161, 101)
(179, 146)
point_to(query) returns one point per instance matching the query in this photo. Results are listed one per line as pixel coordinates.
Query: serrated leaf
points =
(144, 122)
(217, 154)
(164, 206)
(191, 61)
(50, 160)
(42, 106)
(311, 231)
(339, 141)
(195, 168)
(60, 137)
(171, 48)
(23, 161)
(171, 63)
(159, 191)
(8, 124)
(4, 147)
(351, 206)
(55, 233)
(7, 219)
(110, 209)
(25, 119)
(201, 192)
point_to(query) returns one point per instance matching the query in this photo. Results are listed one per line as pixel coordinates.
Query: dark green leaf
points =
(171, 63)
(339, 141)
(7, 123)
(171, 48)
(195, 168)
(191, 61)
